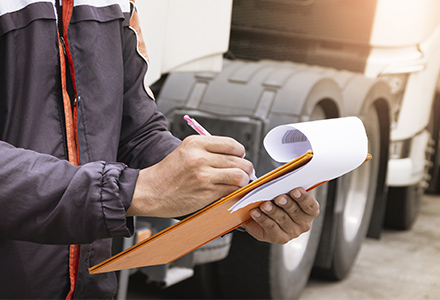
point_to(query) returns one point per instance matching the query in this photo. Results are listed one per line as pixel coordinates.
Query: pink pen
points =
(202, 131)
(196, 126)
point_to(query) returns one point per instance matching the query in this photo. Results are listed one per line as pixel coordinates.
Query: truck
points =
(243, 67)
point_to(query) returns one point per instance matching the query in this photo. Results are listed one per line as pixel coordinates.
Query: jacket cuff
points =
(117, 188)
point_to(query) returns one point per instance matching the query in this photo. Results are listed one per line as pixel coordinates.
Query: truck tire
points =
(403, 206)
(257, 270)
(348, 215)
(271, 271)
(434, 129)
(404, 202)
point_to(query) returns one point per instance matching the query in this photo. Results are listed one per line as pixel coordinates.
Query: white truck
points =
(241, 68)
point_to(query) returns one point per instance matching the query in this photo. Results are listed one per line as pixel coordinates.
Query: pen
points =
(196, 126)
(202, 131)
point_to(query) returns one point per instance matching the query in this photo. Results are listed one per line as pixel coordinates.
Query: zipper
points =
(70, 121)
(63, 44)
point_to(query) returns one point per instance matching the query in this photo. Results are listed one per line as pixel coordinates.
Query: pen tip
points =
(186, 118)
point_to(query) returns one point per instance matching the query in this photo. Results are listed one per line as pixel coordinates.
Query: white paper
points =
(339, 146)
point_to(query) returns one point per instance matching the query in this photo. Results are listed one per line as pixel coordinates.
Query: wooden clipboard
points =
(198, 229)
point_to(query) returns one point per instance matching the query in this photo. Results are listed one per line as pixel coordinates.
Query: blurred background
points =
(243, 67)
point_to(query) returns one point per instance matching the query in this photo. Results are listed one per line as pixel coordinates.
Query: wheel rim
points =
(359, 180)
(294, 251)
(356, 201)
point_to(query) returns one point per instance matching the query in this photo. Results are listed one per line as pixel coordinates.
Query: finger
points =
(306, 202)
(277, 214)
(230, 161)
(255, 230)
(218, 152)
(224, 145)
(231, 176)
(302, 220)
(281, 212)
(270, 229)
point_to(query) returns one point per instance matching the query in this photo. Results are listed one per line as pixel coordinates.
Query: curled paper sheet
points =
(338, 145)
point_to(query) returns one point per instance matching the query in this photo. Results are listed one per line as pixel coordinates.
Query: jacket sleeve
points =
(48, 200)
(145, 139)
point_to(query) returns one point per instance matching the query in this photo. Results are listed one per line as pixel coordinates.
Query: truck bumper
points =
(411, 170)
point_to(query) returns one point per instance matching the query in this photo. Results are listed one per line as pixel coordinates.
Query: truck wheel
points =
(403, 206)
(256, 270)
(347, 217)
(434, 129)
(404, 202)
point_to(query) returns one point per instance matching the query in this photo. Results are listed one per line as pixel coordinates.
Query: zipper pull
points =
(63, 44)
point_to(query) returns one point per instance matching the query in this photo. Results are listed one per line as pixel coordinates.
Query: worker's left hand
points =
(284, 218)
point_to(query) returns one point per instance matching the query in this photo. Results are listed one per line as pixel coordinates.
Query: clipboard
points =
(217, 219)
(196, 230)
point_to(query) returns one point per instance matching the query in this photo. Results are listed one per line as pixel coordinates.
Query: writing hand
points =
(201, 170)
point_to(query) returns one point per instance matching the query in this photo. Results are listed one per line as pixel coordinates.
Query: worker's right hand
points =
(201, 170)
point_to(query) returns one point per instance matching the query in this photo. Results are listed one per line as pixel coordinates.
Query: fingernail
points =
(253, 177)
(296, 194)
(282, 200)
(267, 206)
(255, 213)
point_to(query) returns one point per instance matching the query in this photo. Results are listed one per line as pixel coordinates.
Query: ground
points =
(400, 265)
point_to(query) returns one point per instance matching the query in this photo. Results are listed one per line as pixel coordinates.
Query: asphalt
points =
(401, 265)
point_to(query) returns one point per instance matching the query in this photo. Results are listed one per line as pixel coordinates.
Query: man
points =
(82, 148)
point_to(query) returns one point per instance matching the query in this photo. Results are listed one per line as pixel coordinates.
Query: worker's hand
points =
(201, 170)
(284, 218)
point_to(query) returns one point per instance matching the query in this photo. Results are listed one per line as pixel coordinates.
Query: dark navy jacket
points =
(46, 203)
